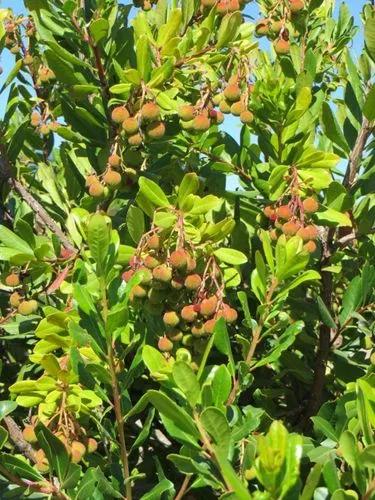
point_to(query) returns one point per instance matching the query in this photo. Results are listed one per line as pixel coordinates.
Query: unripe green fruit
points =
(35, 119)
(114, 160)
(150, 111)
(284, 212)
(162, 273)
(154, 242)
(44, 129)
(186, 112)
(175, 335)
(246, 117)
(310, 205)
(201, 123)
(290, 228)
(112, 178)
(193, 282)
(262, 27)
(171, 319)
(92, 445)
(310, 246)
(28, 307)
(189, 314)
(12, 280)
(15, 299)
(151, 262)
(156, 296)
(187, 125)
(217, 99)
(296, 5)
(208, 306)
(78, 451)
(281, 46)
(146, 275)
(178, 259)
(237, 108)
(276, 26)
(29, 434)
(165, 345)
(156, 130)
(130, 125)
(119, 114)
(132, 158)
(224, 106)
(308, 233)
(135, 140)
(232, 92)
(96, 190)
(187, 340)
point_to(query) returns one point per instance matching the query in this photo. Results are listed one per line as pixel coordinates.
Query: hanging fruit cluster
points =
(200, 117)
(223, 6)
(235, 99)
(16, 299)
(294, 218)
(275, 26)
(43, 124)
(142, 125)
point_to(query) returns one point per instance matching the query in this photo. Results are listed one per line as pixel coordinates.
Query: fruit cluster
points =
(13, 35)
(145, 4)
(44, 125)
(184, 287)
(141, 125)
(199, 118)
(223, 6)
(275, 25)
(293, 219)
(76, 445)
(16, 299)
(235, 99)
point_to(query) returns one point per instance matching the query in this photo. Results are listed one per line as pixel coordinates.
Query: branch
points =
(357, 153)
(16, 436)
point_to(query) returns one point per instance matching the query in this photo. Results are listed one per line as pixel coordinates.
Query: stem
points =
(16, 436)
(116, 396)
(184, 487)
(356, 155)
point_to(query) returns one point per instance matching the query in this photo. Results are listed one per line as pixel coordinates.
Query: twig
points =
(356, 155)
(16, 436)
(184, 487)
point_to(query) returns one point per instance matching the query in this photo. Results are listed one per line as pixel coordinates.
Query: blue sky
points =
(7, 59)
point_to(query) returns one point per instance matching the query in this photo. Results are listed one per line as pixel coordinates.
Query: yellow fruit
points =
(189, 314)
(186, 112)
(156, 130)
(130, 125)
(171, 319)
(150, 111)
(310, 246)
(296, 5)
(28, 59)
(119, 114)
(310, 205)
(224, 106)
(246, 117)
(28, 307)
(29, 434)
(44, 129)
(262, 27)
(112, 178)
(201, 123)
(78, 450)
(114, 160)
(96, 189)
(208, 306)
(35, 119)
(165, 345)
(135, 140)
(290, 228)
(281, 46)
(92, 445)
(12, 280)
(178, 259)
(15, 299)
(232, 92)
(237, 108)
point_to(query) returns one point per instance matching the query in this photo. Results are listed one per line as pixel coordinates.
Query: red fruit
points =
(119, 114)
(201, 123)
(171, 319)
(310, 246)
(208, 306)
(282, 47)
(193, 282)
(127, 275)
(151, 262)
(290, 228)
(310, 205)
(150, 111)
(284, 212)
(164, 344)
(232, 92)
(189, 314)
(12, 280)
(178, 259)
(162, 273)
(269, 212)
(308, 233)
(296, 5)
(186, 112)
(156, 130)
(154, 242)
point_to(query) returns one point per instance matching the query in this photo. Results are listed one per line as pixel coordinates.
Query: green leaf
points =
(341, 494)
(222, 342)
(189, 185)
(221, 385)
(352, 299)
(369, 106)
(99, 29)
(55, 451)
(167, 407)
(155, 361)
(157, 491)
(370, 35)
(12, 74)
(19, 467)
(325, 314)
(228, 28)
(144, 57)
(215, 423)
(205, 205)
(230, 256)
(333, 218)
(11, 240)
(187, 381)
(171, 28)
(98, 237)
(312, 482)
(302, 278)
(325, 427)
(367, 457)
(7, 407)
(135, 223)
(231, 477)
(332, 129)
(153, 192)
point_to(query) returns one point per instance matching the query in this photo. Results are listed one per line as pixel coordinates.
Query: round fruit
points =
(44, 129)
(175, 335)
(96, 189)
(154, 242)
(171, 319)
(29, 434)
(92, 445)
(269, 212)
(224, 107)
(232, 92)
(177, 283)
(201, 123)
(151, 262)
(135, 140)
(209, 326)
(15, 299)
(139, 292)
(150, 111)
(290, 228)
(310, 246)
(308, 233)
(197, 330)
(127, 275)
(282, 46)
(262, 27)
(178, 259)
(114, 160)
(276, 26)
(12, 280)
(35, 119)
(130, 125)
(156, 130)
(78, 450)
(193, 282)
(310, 205)
(28, 307)
(186, 112)
(296, 5)
(112, 178)
(189, 314)
(237, 108)
(246, 117)
(162, 273)
(164, 344)
(230, 315)
(208, 306)
(119, 114)
(91, 179)
(284, 212)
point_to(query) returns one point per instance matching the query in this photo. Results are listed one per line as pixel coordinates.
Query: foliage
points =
(185, 314)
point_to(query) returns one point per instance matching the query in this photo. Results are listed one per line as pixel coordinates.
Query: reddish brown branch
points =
(17, 438)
